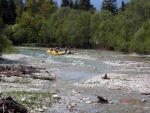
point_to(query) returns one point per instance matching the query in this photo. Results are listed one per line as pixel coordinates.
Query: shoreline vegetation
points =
(45, 24)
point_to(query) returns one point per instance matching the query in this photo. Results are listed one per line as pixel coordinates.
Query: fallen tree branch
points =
(8, 105)
(18, 74)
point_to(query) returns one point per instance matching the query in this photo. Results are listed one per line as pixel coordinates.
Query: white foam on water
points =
(15, 56)
(79, 56)
(49, 60)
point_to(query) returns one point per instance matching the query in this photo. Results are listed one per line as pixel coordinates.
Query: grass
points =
(11, 50)
(32, 100)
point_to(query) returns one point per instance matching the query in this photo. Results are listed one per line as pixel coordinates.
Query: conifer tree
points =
(123, 6)
(65, 3)
(110, 5)
(7, 11)
(76, 4)
(2, 4)
(3, 8)
(71, 4)
(85, 5)
(11, 12)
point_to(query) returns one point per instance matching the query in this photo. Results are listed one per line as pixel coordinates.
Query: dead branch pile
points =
(8, 105)
(24, 71)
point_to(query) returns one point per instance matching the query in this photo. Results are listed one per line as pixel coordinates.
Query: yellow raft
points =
(55, 52)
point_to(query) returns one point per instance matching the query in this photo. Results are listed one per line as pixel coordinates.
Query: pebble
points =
(88, 102)
(86, 98)
(44, 107)
(71, 105)
(143, 100)
(56, 96)
(73, 91)
(39, 109)
(111, 102)
(23, 99)
(32, 111)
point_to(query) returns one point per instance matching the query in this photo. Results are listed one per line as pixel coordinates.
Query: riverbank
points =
(117, 81)
(81, 96)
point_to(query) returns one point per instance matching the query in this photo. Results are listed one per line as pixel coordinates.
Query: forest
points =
(77, 23)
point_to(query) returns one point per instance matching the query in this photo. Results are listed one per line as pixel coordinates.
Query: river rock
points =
(56, 96)
(86, 98)
(88, 102)
(39, 109)
(23, 99)
(111, 102)
(143, 100)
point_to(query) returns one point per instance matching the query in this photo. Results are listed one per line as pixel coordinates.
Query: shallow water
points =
(88, 63)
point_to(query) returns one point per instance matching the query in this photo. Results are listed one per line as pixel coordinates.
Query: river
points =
(79, 76)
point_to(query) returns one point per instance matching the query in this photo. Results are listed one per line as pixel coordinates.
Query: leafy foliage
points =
(78, 24)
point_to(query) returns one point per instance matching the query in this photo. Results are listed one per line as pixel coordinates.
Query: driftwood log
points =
(106, 77)
(17, 74)
(8, 105)
(24, 71)
(21, 68)
(102, 100)
(145, 93)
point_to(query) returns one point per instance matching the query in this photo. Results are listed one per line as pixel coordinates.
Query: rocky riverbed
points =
(124, 92)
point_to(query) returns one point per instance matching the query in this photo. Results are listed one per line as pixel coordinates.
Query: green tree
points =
(123, 6)
(57, 20)
(71, 28)
(11, 12)
(86, 5)
(141, 40)
(46, 8)
(7, 11)
(104, 35)
(76, 4)
(4, 42)
(19, 9)
(83, 23)
(110, 5)
(28, 22)
(71, 4)
(31, 7)
(65, 3)
(2, 8)
(19, 34)
(1, 24)
(97, 18)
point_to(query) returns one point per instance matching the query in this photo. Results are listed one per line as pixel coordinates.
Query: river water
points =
(75, 71)
(88, 63)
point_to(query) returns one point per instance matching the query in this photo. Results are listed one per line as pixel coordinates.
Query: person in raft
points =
(67, 49)
(58, 48)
